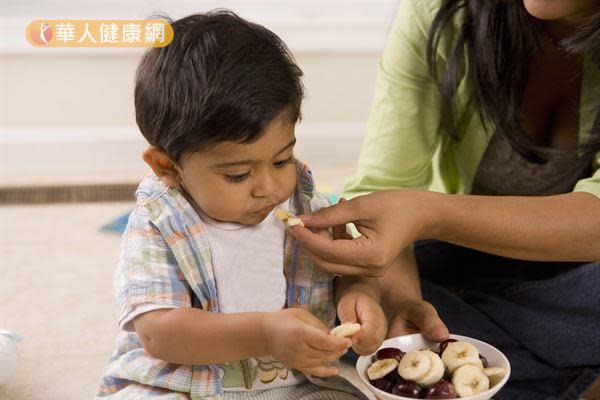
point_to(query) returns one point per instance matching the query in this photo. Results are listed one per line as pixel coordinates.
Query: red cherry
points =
(382, 384)
(390, 352)
(484, 361)
(442, 389)
(407, 389)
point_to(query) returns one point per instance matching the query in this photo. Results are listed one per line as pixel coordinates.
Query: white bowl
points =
(417, 341)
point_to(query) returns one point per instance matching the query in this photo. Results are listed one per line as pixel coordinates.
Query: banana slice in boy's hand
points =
(287, 218)
(346, 330)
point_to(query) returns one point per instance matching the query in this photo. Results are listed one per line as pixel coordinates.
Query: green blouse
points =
(404, 143)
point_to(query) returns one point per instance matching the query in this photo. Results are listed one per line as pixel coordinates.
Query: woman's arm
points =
(403, 304)
(552, 228)
(564, 227)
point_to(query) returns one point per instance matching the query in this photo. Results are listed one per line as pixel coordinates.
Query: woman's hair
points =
(499, 38)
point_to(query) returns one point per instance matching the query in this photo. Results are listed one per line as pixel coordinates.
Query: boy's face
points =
(242, 183)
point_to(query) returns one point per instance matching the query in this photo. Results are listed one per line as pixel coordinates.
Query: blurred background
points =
(67, 114)
(70, 158)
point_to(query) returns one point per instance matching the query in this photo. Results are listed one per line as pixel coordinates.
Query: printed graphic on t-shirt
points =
(256, 373)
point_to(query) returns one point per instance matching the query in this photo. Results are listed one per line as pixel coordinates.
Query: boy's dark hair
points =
(221, 79)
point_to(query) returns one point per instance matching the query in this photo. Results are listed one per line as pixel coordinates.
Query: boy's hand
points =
(365, 310)
(301, 341)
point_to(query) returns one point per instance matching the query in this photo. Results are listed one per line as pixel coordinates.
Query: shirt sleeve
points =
(403, 126)
(591, 184)
(147, 277)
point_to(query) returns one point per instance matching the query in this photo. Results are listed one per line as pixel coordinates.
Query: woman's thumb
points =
(338, 214)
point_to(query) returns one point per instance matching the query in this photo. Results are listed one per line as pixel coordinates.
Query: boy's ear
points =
(162, 166)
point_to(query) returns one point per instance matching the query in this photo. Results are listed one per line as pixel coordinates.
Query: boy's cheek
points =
(290, 181)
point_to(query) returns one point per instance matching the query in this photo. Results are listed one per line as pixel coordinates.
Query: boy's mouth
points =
(267, 209)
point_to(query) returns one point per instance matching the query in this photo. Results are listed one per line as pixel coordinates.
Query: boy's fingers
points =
(311, 356)
(365, 348)
(347, 313)
(311, 320)
(321, 357)
(366, 335)
(322, 371)
(319, 340)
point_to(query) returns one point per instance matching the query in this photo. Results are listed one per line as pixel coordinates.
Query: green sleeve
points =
(591, 184)
(403, 125)
(590, 102)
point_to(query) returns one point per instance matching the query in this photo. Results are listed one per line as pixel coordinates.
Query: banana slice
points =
(287, 218)
(436, 370)
(458, 354)
(381, 368)
(415, 365)
(469, 380)
(346, 330)
(495, 374)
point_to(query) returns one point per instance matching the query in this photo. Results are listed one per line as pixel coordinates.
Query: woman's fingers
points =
(400, 327)
(425, 318)
(338, 214)
(343, 269)
(343, 251)
(429, 322)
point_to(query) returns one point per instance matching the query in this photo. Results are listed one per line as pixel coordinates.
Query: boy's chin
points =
(253, 219)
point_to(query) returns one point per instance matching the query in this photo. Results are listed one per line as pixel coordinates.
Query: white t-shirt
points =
(248, 268)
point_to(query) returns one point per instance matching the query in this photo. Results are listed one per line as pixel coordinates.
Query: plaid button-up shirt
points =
(166, 263)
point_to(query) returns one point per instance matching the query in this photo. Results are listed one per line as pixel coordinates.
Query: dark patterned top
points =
(504, 171)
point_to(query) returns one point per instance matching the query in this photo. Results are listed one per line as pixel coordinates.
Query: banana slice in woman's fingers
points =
(458, 354)
(414, 365)
(287, 218)
(436, 369)
(381, 368)
(346, 330)
(495, 374)
(469, 380)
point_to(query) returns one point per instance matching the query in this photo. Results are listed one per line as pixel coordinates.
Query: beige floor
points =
(56, 273)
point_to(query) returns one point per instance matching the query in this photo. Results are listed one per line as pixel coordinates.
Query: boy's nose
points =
(265, 187)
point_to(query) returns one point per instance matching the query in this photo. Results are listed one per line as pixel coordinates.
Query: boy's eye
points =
(282, 163)
(237, 178)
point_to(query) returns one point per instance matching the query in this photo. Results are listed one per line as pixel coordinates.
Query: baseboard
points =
(67, 194)
(107, 155)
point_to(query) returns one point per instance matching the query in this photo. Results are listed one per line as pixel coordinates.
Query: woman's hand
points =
(366, 311)
(301, 341)
(389, 221)
(417, 316)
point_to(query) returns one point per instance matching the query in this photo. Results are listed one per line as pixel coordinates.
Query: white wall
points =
(67, 115)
